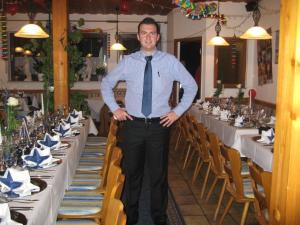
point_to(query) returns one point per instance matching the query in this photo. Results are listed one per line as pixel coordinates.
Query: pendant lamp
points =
(31, 30)
(256, 32)
(117, 46)
(218, 40)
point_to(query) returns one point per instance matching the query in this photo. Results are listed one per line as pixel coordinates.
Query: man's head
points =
(148, 34)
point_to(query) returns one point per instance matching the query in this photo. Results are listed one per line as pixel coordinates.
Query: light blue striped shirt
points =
(165, 69)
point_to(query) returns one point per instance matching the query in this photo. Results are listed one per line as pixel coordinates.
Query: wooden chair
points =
(96, 181)
(239, 187)
(217, 168)
(203, 156)
(105, 119)
(261, 184)
(116, 213)
(93, 206)
(189, 139)
(202, 148)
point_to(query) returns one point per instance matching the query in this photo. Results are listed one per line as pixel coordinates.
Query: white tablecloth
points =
(260, 153)
(229, 135)
(58, 178)
(95, 106)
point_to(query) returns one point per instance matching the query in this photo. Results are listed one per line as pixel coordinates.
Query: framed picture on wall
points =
(264, 61)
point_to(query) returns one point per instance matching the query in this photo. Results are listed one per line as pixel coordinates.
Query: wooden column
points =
(60, 56)
(285, 196)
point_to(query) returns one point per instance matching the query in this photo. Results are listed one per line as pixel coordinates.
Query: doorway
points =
(188, 51)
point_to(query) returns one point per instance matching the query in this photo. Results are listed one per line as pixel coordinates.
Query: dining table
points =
(230, 135)
(41, 208)
(258, 152)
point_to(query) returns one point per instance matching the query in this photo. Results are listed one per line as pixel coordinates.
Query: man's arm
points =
(109, 82)
(189, 86)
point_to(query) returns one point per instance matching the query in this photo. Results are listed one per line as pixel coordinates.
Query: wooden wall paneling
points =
(285, 196)
(60, 56)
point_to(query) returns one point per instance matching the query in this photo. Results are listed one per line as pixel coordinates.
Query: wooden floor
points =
(195, 210)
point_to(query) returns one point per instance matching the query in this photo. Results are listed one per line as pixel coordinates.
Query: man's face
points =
(148, 37)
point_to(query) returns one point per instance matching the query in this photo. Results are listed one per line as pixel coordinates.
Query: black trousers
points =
(143, 142)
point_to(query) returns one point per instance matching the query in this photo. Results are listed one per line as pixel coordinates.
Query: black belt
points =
(147, 120)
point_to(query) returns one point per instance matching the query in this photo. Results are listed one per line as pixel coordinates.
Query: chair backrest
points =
(232, 166)
(107, 159)
(105, 119)
(204, 144)
(112, 193)
(215, 151)
(116, 213)
(261, 184)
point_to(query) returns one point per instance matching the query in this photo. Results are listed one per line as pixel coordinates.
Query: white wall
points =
(236, 14)
(91, 21)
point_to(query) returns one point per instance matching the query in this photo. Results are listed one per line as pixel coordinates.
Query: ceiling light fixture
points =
(31, 30)
(256, 32)
(218, 40)
(117, 46)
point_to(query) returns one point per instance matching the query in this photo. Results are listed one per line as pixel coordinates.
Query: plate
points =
(255, 138)
(35, 181)
(55, 162)
(38, 182)
(63, 145)
(18, 217)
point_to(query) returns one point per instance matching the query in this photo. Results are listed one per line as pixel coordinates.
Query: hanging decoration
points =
(124, 8)
(12, 7)
(198, 11)
(234, 55)
(3, 40)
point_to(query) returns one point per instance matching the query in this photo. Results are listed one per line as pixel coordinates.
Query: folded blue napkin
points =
(38, 158)
(16, 183)
(49, 141)
(77, 113)
(63, 130)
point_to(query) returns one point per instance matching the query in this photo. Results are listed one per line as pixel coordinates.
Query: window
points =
(230, 63)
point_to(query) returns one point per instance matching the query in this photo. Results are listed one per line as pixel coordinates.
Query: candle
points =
(42, 103)
(250, 99)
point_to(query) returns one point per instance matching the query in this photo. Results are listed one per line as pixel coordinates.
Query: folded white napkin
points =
(205, 105)
(5, 218)
(239, 121)
(38, 158)
(216, 110)
(52, 142)
(224, 115)
(272, 120)
(77, 113)
(16, 183)
(63, 130)
(267, 137)
(71, 120)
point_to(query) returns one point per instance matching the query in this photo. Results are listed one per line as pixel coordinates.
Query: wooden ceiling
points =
(139, 7)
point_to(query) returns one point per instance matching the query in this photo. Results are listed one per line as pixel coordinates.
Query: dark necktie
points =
(147, 89)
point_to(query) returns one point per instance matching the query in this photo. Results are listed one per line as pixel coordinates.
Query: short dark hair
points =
(149, 20)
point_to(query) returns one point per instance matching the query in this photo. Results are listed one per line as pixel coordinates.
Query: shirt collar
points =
(154, 53)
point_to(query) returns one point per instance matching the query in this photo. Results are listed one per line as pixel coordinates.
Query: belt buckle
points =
(147, 121)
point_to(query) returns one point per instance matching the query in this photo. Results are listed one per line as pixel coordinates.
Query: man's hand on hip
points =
(121, 114)
(168, 119)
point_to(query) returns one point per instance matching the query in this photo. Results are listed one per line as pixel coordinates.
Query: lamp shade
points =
(218, 41)
(31, 31)
(118, 47)
(256, 33)
(19, 49)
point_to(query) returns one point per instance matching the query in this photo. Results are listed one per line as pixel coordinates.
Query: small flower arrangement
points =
(11, 104)
(219, 89)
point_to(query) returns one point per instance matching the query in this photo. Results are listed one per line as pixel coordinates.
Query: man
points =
(149, 76)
